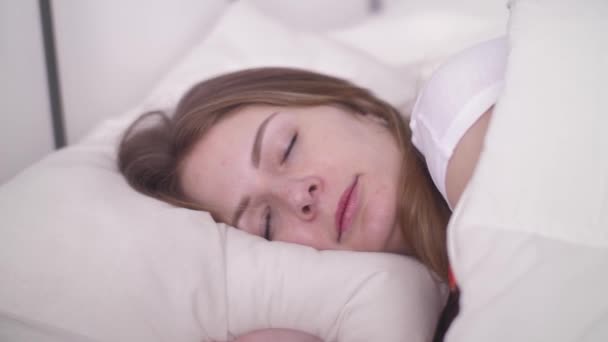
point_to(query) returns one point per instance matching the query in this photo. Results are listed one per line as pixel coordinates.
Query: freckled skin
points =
(302, 193)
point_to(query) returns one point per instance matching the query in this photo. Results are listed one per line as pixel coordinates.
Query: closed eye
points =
(267, 224)
(289, 148)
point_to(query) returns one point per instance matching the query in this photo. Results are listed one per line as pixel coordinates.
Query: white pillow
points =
(418, 36)
(84, 257)
(528, 240)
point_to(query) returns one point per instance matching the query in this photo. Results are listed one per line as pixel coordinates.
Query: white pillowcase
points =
(418, 36)
(84, 257)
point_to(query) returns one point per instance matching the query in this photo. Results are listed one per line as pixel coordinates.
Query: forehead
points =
(220, 162)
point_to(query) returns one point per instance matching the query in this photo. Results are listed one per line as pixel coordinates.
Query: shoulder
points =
(460, 78)
(455, 96)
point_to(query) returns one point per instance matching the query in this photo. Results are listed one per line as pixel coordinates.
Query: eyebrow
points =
(255, 161)
(257, 142)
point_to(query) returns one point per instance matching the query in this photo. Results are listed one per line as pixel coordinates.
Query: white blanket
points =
(529, 240)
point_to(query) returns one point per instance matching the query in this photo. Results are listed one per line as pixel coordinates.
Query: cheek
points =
(322, 159)
(312, 235)
(381, 215)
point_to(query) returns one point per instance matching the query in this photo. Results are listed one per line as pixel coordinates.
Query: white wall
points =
(112, 52)
(25, 122)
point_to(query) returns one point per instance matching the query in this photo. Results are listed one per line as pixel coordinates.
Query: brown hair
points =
(150, 157)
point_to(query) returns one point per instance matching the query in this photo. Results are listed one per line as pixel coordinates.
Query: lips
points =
(347, 208)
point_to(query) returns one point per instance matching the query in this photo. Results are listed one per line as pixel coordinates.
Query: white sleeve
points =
(455, 96)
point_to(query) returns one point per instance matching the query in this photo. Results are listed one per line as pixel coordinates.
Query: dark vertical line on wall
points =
(52, 72)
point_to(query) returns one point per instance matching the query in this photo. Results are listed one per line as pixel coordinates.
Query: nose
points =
(302, 196)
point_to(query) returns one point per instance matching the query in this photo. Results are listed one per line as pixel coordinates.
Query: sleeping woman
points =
(295, 156)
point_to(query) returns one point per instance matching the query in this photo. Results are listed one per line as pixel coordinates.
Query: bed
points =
(85, 258)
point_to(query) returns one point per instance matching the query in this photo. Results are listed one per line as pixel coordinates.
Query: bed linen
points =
(528, 241)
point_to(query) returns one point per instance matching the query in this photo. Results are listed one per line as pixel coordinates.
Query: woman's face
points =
(317, 176)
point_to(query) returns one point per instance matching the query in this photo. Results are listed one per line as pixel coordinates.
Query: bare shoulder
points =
(465, 157)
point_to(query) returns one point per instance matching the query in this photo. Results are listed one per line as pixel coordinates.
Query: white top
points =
(456, 95)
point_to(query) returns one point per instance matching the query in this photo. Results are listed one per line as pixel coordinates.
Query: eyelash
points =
(268, 214)
(289, 147)
(267, 218)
